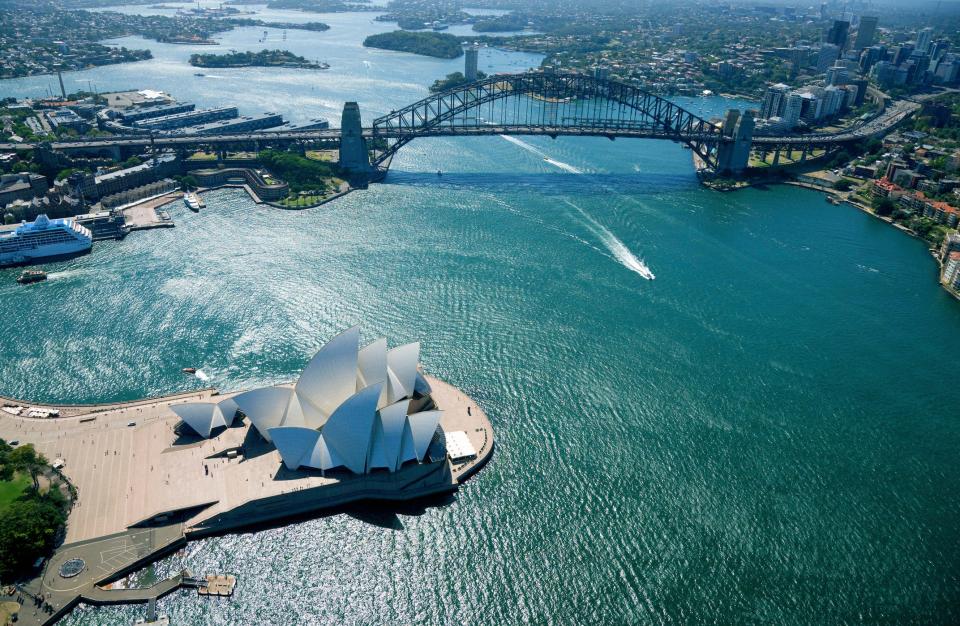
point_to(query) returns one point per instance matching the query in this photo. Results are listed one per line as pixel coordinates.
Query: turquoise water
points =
(766, 433)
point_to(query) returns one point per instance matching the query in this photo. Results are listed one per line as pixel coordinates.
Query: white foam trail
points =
(560, 164)
(63, 274)
(202, 375)
(616, 247)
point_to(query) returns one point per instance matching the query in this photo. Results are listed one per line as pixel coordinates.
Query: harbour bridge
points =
(532, 103)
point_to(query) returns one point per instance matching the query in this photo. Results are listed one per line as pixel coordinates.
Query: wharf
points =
(145, 215)
(144, 490)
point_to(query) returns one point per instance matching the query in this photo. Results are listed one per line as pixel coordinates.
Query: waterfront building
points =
(129, 116)
(792, 110)
(21, 186)
(774, 101)
(239, 125)
(865, 32)
(951, 270)
(883, 188)
(136, 176)
(356, 408)
(188, 118)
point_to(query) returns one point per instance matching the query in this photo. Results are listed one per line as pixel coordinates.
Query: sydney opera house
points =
(353, 408)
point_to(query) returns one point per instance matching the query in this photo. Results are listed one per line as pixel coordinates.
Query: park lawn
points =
(10, 490)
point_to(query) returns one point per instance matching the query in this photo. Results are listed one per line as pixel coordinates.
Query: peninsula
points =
(361, 423)
(264, 58)
(439, 45)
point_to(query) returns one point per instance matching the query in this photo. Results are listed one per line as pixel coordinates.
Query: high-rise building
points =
(470, 63)
(870, 56)
(837, 75)
(902, 53)
(774, 101)
(829, 53)
(924, 37)
(792, 110)
(865, 32)
(837, 35)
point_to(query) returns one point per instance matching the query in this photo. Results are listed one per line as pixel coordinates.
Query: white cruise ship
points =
(42, 240)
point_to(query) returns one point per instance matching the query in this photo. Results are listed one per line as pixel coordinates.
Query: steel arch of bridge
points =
(547, 104)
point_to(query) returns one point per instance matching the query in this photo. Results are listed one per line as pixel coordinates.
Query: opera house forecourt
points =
(360, 423)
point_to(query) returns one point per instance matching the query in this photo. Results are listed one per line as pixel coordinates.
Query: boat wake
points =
(62, 275)
(201, 375)
(617, 248)
(566, 167)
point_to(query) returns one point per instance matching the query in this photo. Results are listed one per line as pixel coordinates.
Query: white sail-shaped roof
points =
(200, 416)
(331, 375)
(392, 421)
(228, 408)
(402, 363)
(295, 444)
(372, 363)
(265, 407)
(408, 451)
(422, 427)
(421, 385)
(349, 430)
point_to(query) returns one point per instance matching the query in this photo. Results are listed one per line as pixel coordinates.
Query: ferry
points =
(42, 240)
(192, 201)
(31, 276)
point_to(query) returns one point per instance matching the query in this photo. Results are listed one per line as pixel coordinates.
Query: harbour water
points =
(765, 433)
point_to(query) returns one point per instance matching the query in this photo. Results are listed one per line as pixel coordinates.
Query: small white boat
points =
(192, 201)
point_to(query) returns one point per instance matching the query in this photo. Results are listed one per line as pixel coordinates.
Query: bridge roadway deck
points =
(893, 116)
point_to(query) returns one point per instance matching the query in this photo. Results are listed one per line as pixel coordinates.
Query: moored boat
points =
(192, 202)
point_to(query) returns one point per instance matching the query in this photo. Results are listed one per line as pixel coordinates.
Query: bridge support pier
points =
(733, 155)
(354, 156)
(776, 157)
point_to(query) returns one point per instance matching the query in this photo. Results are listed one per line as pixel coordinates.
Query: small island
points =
(264, 58)
(456, 79)
(439, 45)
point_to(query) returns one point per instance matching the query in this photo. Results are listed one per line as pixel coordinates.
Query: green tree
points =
(883, 206)
(28, 529)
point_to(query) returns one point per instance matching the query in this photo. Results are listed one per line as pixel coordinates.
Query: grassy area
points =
(10, 490)
(327, 156)
(786, 158)
(203, 156)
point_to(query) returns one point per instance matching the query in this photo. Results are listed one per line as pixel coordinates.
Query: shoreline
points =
(846, 200)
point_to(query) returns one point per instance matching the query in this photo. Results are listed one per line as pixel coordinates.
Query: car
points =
(131, 423)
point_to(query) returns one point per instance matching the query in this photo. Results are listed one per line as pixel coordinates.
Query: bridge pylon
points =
(353, 147)
(733, 155)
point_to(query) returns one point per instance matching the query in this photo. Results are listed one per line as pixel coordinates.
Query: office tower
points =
(865, 32)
